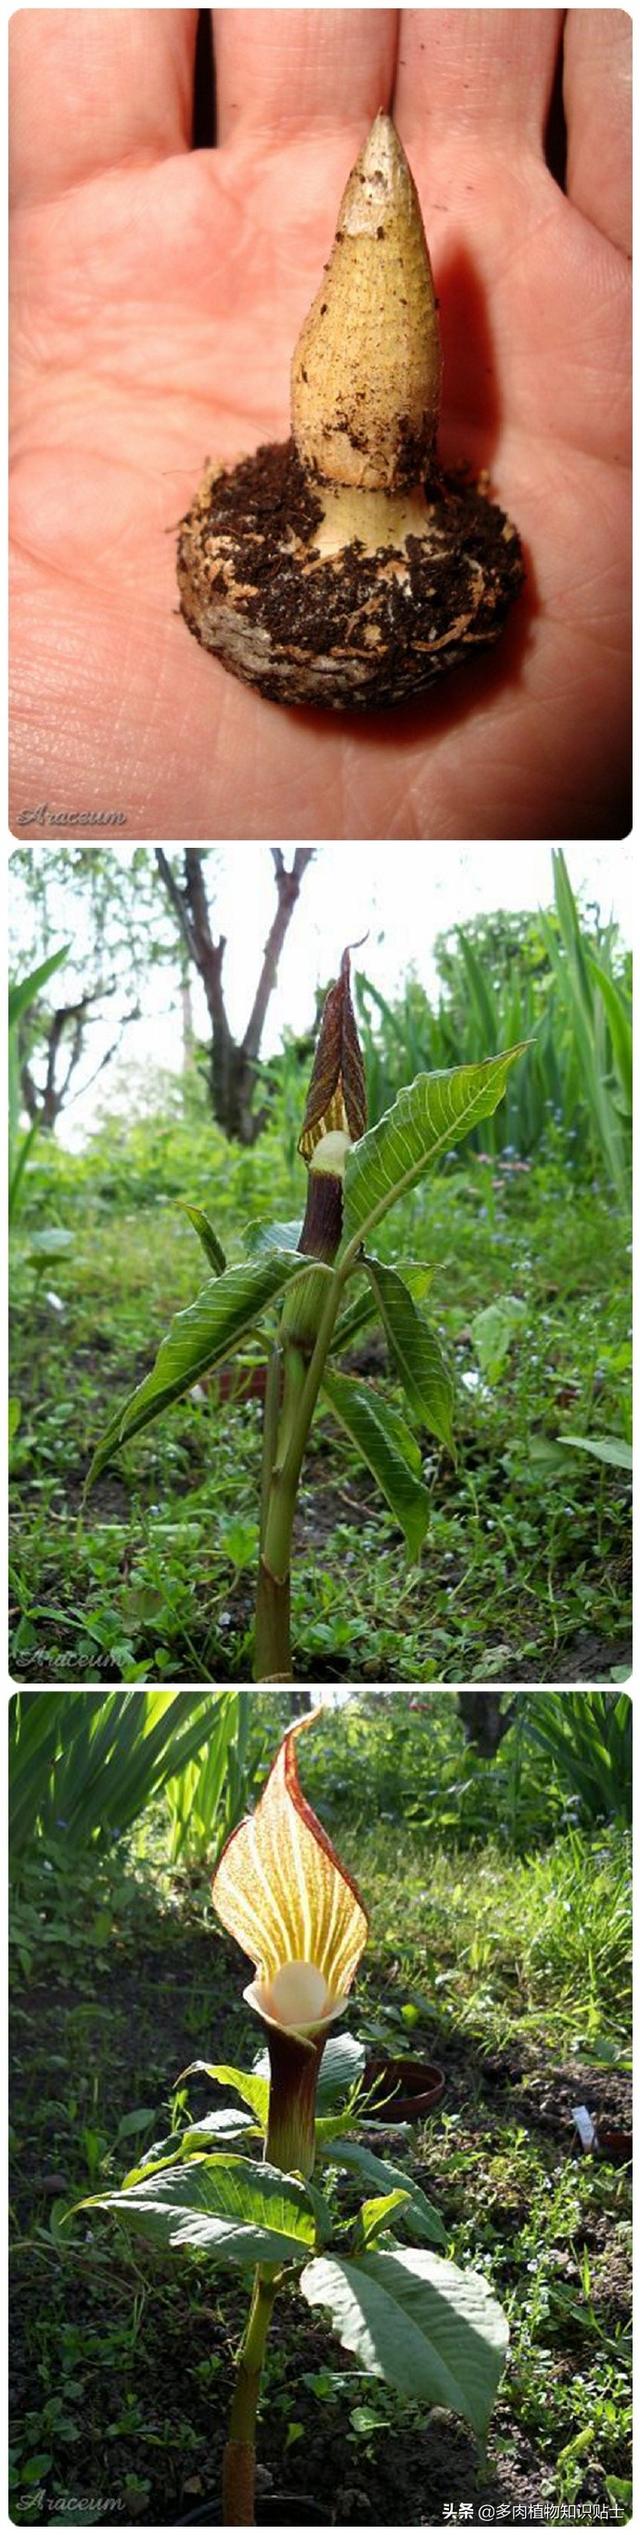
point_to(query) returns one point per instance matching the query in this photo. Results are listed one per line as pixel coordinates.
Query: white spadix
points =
(298, 1994)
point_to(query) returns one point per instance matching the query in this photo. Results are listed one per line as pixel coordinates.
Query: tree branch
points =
(178, 901)
(288, 885)
(99, 1069)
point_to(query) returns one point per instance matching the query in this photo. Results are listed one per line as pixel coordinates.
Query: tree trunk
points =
(62, 1034)
(186, 1008)
(484, 1719)
(233, 1064)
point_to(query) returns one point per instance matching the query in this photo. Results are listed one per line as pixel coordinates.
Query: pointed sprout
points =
(365, 387)
(337, 1095)
(335, 1116)
(281, 1891)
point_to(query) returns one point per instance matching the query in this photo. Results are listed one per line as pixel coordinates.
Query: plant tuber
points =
(342, 567)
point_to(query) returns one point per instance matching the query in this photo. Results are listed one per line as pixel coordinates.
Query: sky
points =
(400, 896)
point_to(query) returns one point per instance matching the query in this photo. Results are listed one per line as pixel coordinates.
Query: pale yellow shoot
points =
(365, 388)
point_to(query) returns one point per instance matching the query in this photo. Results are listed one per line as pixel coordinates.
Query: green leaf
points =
(375, 2215)
(352, 1321)
(225, 2206)
(428, 1119)
(493, 1332)
(390, 1451)
(19, 1167)
(253, 2090)
(619, 1016)
(50, 1244)
(26, 990)
(415, 1354)
(198, 1338)
(95, 1766)
(335, 2125)
(342, 2062)
(153, 2163)
(210, 1243)
(262, 1238)
(421, 2220)
(610, 1448)
(36, 2467)
(430, 2329)
(359, 1314)
(134, 2121)
(227, 2124)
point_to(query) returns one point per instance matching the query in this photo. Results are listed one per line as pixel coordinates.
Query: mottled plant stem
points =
(239, 2464)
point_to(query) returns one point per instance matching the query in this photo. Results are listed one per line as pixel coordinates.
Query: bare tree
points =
(61, 1038)
(233, 1063)
(109, 909)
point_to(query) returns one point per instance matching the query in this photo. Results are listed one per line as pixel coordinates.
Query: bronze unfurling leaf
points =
(337, 1091)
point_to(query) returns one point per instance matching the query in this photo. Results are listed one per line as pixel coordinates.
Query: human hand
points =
(159, 294)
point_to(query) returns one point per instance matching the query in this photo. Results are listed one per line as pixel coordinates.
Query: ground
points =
(506, 1965)
(525, 1571)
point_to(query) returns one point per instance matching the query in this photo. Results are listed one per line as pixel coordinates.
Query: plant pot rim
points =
(418, 2085)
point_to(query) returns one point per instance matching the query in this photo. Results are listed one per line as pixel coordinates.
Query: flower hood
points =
(281, 1891)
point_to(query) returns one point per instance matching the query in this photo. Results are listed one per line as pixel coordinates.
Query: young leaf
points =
(415, 1354)
(225, 2206)
(210, 1243)
(197, 1339)
(430, 1116)
(334, 2125)
(376, 2215)
(253, 2090)
(432, 2330)
(421, 2220)
(383, 1440)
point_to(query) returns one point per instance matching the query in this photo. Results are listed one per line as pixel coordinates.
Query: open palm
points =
(159, 292)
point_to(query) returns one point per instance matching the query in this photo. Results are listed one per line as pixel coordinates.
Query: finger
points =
(91, 86)
(597, 104)
(278, 70)
(484, 72)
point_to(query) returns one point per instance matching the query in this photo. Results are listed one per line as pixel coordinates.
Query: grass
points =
(526, 1570)
(510, 1969)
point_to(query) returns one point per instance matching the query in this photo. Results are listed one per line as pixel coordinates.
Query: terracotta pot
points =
(410, 2089)
(614, 2144)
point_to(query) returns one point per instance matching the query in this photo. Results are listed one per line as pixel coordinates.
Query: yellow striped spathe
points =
(280, 1889)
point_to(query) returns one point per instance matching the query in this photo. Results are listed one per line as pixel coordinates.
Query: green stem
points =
(272, 1639)
(270, 1430)
(302, 1381)
(239, 2464)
